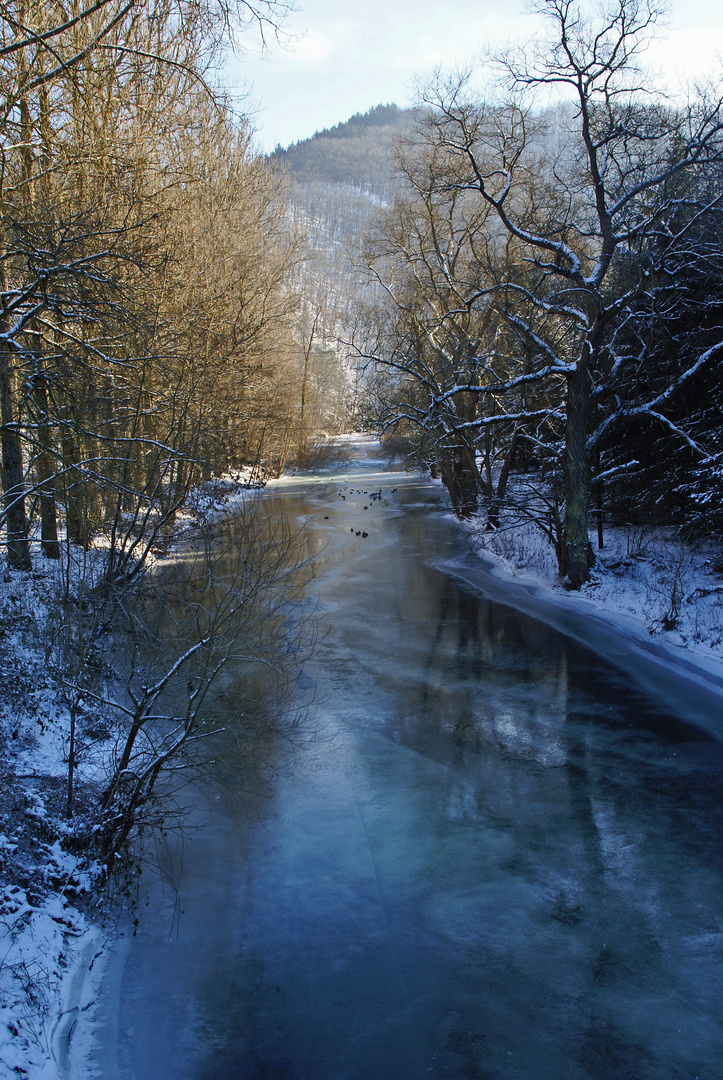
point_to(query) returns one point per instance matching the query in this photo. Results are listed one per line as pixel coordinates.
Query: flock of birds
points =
(373, 496)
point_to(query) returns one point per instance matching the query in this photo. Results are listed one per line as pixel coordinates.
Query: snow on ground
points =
(673, 591)
(48, 940)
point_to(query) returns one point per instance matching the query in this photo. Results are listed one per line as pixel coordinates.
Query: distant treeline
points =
(358, 152)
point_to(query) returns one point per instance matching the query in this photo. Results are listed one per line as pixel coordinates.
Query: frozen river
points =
(496, 858)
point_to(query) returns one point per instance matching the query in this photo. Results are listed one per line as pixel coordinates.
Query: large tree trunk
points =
(461, 478)
(12, 448)
(578, 550)
(77, 523)
(13, 486)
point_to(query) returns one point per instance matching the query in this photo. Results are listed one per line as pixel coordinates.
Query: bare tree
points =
(204, 679)
(449, 346)
(575, 213)
(144, 267)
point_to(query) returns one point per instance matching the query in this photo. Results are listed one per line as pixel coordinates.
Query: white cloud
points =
(344, 58)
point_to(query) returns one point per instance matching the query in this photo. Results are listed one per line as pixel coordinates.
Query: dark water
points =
(494, 858)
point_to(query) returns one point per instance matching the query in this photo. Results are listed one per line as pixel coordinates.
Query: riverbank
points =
(57, 919)
(653, 605)
(51, 935)
(670, 589)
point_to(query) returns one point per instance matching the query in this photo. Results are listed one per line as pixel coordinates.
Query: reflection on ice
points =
(500, 860)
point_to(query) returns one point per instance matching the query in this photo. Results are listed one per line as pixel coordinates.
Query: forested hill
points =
(335, 184)
(358, 152)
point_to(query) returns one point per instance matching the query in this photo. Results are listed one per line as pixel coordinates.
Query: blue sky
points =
(340, 57)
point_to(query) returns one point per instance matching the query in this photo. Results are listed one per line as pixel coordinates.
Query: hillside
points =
(357, 153)
(336, 182)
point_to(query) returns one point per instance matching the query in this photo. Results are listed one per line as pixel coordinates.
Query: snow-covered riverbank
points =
(653, 605)
(56, 920)
(669, 589)
(50, 943)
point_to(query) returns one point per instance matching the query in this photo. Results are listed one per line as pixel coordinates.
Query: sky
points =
(341, 57)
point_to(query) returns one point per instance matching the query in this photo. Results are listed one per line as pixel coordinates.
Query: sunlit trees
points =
(146, 258)
(145, 268)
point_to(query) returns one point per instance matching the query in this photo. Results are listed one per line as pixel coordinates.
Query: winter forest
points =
(519, 293)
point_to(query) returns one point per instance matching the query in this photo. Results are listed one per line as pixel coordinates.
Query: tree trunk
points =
(76, 517)
(13, 487)
(578, 550)
(461, 478)
(48, 512)
(302, 413)
(45, 473)
(488, 459)
(12, 449)
(497, 500)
